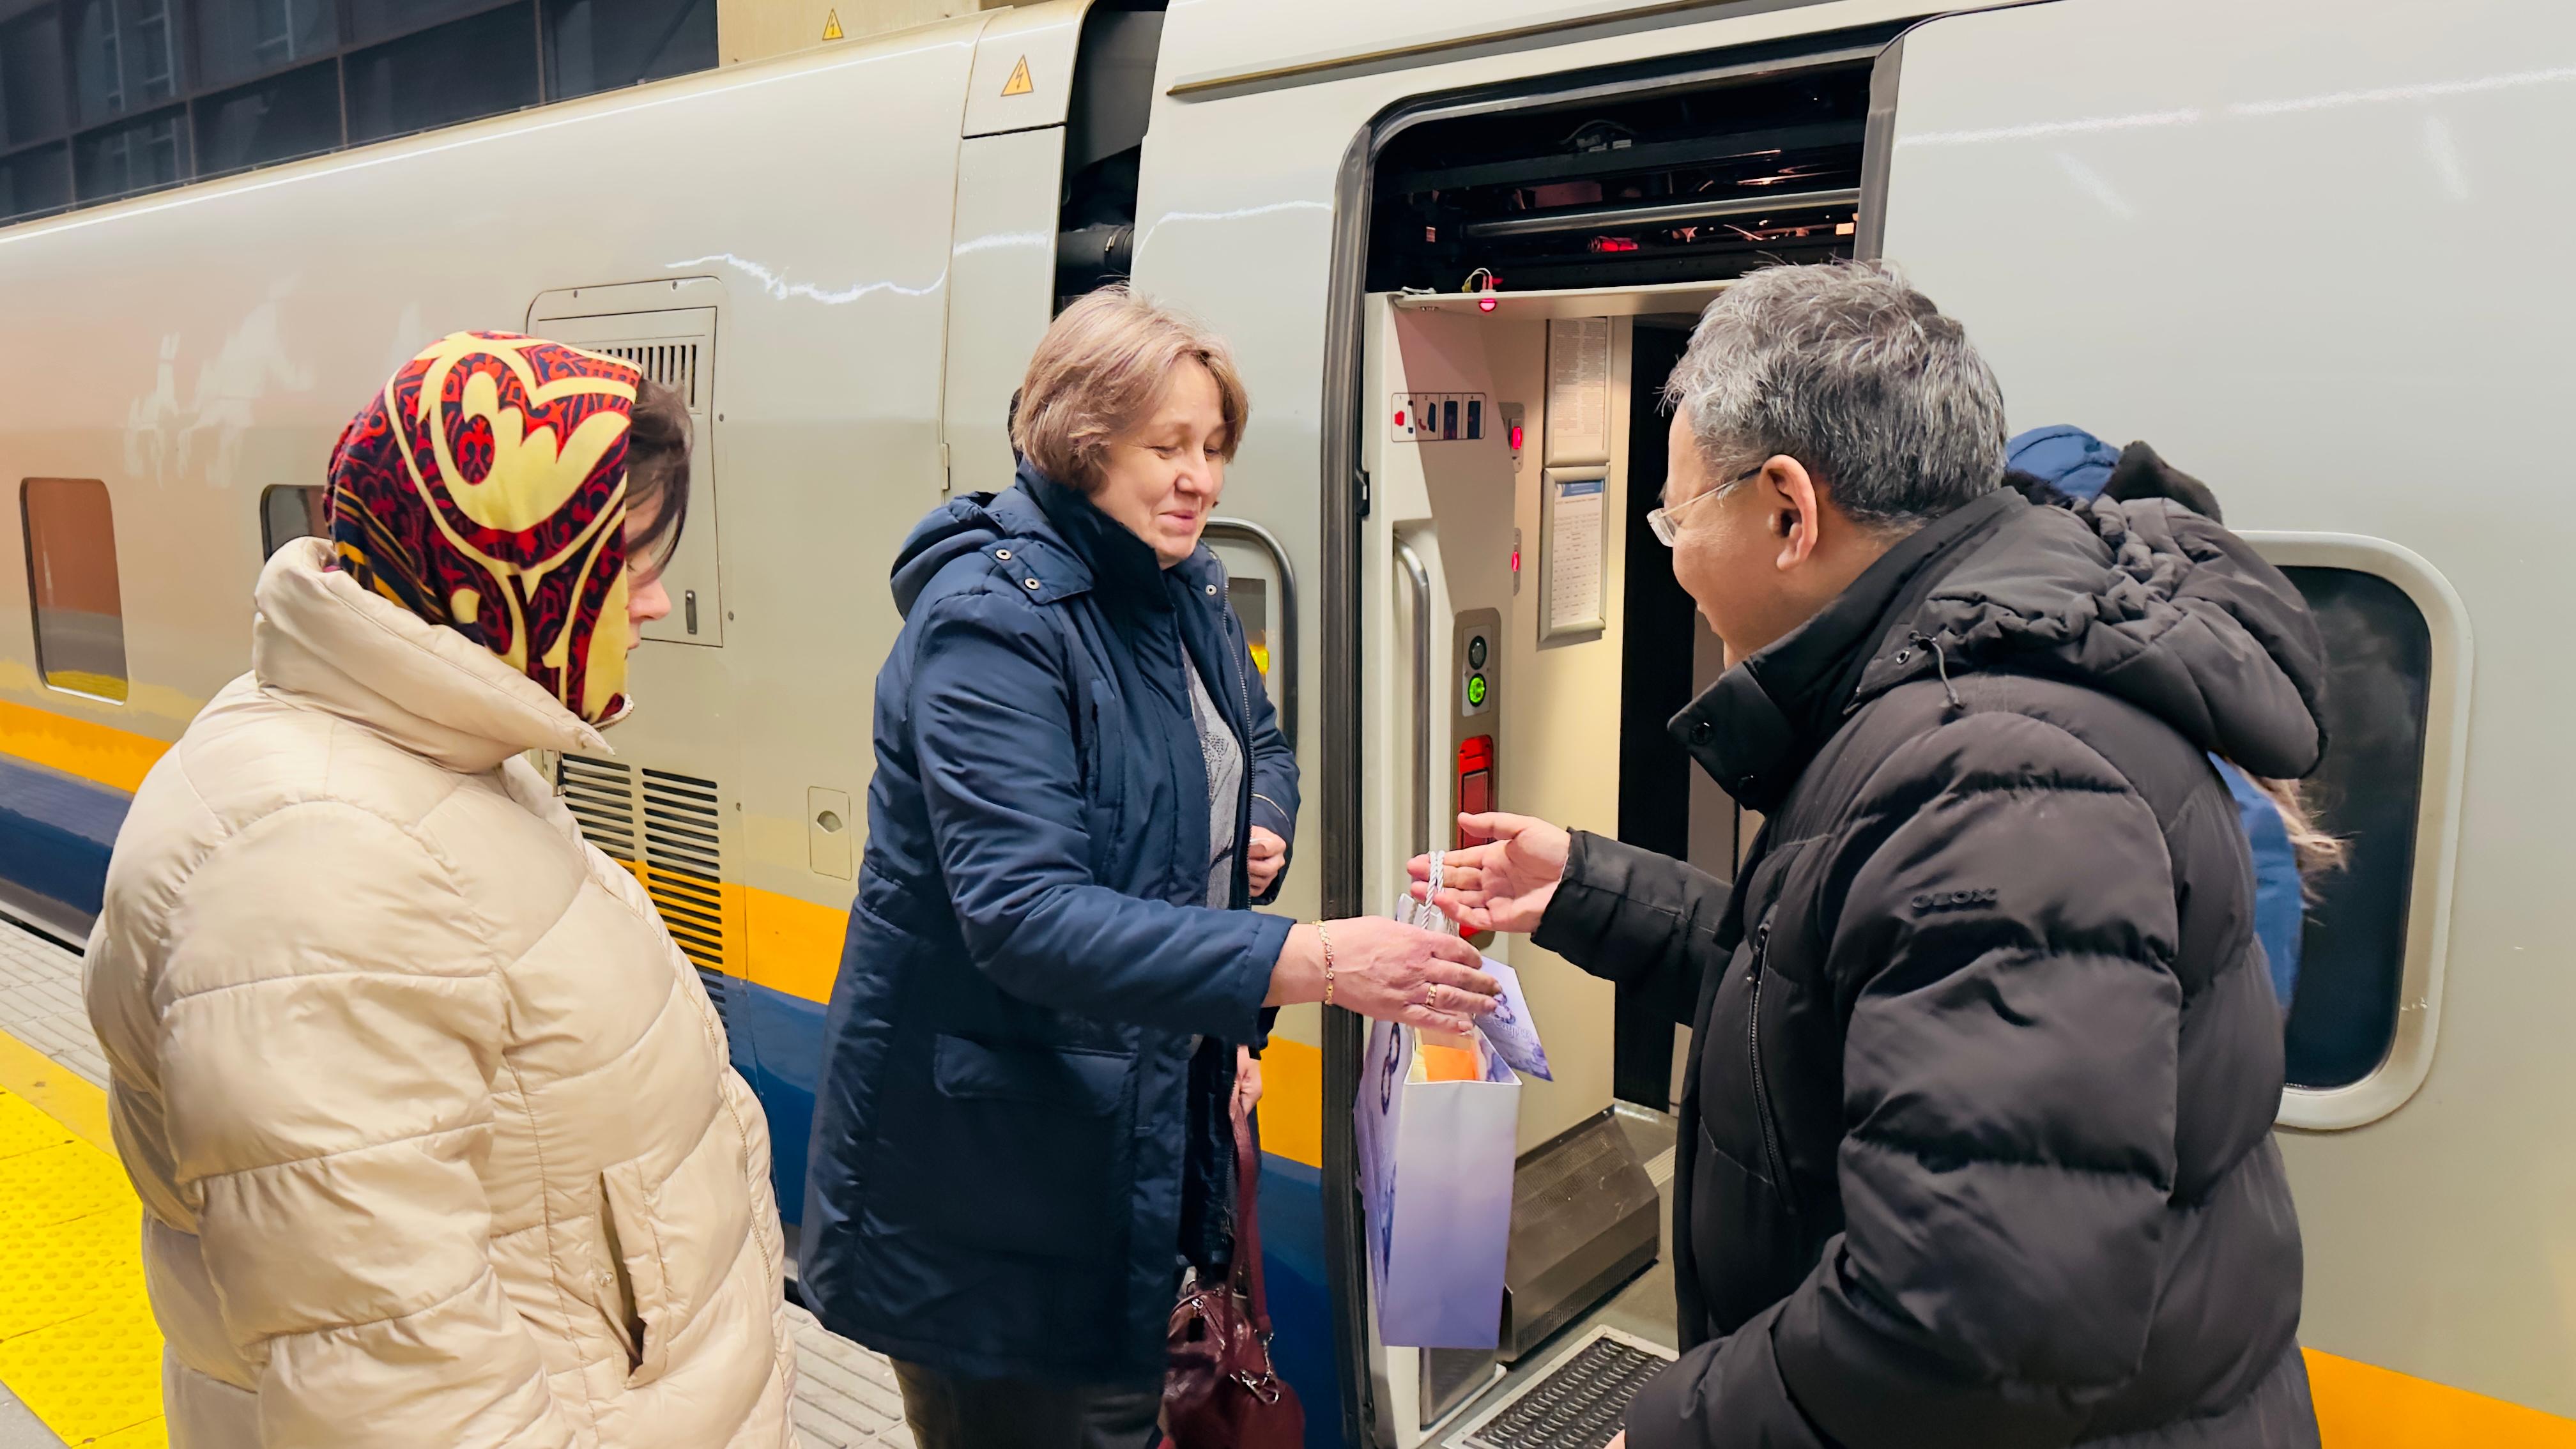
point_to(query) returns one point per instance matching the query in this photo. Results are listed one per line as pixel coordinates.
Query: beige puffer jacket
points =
(432, 1124)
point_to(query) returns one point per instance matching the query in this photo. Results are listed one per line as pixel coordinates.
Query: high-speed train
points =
(2304, 247)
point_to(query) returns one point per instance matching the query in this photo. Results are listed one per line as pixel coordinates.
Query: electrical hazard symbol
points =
(1019, 84)
(831, 25)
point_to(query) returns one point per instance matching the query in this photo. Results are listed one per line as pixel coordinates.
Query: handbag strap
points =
(1246, 1271)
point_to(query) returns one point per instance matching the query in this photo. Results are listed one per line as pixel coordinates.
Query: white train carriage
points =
(2206, 224)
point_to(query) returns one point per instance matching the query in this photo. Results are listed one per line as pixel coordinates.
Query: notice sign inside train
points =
(1570, 544)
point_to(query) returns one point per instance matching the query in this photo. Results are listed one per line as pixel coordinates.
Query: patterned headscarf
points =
(485, 490)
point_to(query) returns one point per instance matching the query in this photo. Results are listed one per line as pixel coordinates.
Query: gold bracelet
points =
(1327, 938)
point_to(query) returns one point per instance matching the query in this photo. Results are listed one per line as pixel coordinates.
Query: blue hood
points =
(959, 527)
(2070, 459)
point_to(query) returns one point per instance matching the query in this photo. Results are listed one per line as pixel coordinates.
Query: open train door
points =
(2236, 233)
(1504, 633)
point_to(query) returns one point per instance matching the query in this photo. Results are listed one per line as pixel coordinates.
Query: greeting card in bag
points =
(1509, 1027)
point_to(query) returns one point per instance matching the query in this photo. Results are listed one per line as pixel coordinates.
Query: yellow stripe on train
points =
(98, 753)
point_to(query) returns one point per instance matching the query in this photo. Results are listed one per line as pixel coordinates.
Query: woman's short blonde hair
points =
(1101, 369)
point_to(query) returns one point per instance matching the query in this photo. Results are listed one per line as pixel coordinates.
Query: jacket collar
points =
(1093, 549)
(1756, 728)
(321, 641)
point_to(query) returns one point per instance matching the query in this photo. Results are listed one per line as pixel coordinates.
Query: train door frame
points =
(1345, 502)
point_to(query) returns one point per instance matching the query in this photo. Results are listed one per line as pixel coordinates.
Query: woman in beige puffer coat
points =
(433, 1126)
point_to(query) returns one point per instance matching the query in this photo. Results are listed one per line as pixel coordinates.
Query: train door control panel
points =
(1476, 648)
(1437, 417)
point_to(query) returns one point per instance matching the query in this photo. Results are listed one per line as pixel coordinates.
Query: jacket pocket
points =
(1020, 1148)
(625, 1225)
(1087, 1082)
(1746, 1244)
(677, 1233)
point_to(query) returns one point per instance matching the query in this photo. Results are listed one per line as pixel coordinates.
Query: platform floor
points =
(79, 1355)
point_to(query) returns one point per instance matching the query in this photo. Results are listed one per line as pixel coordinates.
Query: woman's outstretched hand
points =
(1503, 885)
(1386, 969)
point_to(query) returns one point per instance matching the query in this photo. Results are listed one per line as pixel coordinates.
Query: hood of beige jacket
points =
(323, 641)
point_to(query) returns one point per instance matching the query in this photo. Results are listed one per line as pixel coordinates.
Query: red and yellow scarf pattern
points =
(484, 490)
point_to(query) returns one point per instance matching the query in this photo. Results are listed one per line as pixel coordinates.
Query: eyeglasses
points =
(1661, 519)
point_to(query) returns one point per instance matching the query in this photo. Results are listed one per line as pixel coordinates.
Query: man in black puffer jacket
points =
(1976, 1139)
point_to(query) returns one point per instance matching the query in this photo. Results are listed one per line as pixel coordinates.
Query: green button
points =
(1475, 691)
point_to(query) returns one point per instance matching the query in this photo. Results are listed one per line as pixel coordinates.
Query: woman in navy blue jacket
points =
(1050, 988)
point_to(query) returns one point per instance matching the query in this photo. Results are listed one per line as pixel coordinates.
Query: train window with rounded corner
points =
(71, 575)
(287, 512)
(2361, 1020)
(2367, 794)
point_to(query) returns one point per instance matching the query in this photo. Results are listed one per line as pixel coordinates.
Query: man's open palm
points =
(1503, 885)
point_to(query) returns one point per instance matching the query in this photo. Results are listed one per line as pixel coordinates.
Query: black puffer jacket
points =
(1976, 1145)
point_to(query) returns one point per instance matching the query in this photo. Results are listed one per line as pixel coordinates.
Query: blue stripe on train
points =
(778, 1048)
(55, 834)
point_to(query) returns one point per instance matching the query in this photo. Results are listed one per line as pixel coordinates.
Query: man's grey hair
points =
(1845, 368)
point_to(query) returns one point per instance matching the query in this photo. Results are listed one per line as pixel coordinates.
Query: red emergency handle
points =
(1475, 783)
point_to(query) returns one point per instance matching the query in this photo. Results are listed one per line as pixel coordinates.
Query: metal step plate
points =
(1578, 1403)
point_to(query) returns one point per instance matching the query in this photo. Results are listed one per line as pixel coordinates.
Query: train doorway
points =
(1532, 275)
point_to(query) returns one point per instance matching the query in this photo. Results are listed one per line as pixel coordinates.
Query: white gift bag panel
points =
(1436, 1164)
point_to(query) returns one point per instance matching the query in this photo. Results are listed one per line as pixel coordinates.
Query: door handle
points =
(1421, 578)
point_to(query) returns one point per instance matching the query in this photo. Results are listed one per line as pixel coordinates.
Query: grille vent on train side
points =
(664, 827)
(672, 364)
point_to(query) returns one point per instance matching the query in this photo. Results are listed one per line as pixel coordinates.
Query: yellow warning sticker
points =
(831, 25)
(1019, 83)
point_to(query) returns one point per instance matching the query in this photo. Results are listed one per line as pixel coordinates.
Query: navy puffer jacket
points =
(1021, 1125)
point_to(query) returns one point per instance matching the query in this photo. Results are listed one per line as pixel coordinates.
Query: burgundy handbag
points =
(1219, 1391)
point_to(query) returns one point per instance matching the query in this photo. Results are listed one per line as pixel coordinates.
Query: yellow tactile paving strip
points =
(77, 1341)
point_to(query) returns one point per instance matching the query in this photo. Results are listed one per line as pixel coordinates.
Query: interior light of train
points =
(1516, 447)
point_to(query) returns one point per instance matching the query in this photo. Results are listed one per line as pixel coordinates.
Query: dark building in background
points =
(101, 99)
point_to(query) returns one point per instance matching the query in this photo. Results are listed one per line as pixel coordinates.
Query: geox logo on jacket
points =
(1930, 901)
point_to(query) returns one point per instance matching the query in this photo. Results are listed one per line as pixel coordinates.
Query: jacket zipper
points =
(1771, 1157)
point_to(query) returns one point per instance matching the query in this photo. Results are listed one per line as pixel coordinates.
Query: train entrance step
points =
(1579, 1403)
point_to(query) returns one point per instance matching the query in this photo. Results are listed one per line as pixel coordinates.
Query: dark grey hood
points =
(2145, 601)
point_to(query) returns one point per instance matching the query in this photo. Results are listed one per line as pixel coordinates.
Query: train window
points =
(480, 66)
(2363, 1019)
(71, 568)
(287, 512)
(2368, 792)
(598, 45)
